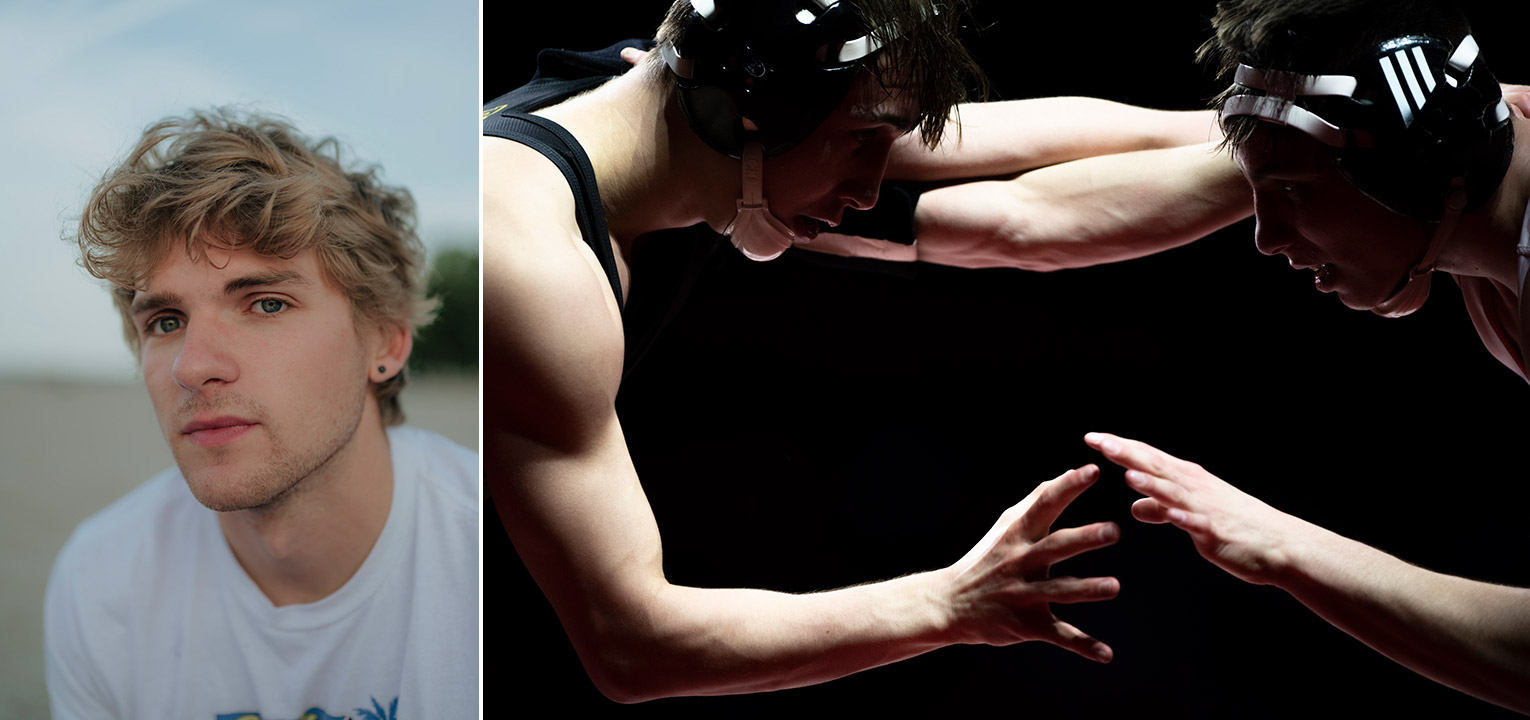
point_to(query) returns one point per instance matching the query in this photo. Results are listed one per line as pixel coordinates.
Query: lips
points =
(1322, 277)
(221, 430)
(808, 228)
(1322, 273)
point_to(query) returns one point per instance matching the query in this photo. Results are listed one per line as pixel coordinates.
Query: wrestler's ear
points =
(390, 343)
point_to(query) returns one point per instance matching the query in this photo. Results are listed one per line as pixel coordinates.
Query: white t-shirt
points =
(148, 614)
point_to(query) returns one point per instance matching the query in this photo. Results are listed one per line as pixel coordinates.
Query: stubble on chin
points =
(261, 476)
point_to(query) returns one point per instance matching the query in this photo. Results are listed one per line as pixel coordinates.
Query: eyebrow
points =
(878, 114)
(1273, 166)
(273, 277)
(158, 301)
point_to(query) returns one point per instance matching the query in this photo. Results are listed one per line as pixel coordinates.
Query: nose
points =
(1272, 232)
(204, 358)
(862, 195)
(861, 189)
(1271, 240)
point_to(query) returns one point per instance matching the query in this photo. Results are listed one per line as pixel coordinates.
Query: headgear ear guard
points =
(1407, 121)
(783, 65)
(1418, 127)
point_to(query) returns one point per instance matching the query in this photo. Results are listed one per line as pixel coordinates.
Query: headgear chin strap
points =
(1417, 126)
(755, 231)
(1414, 290)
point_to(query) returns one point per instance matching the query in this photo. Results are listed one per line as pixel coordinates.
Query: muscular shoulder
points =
(552, 329)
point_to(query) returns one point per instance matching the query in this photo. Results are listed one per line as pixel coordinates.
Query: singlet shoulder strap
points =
(560, 147)
(1523, 250)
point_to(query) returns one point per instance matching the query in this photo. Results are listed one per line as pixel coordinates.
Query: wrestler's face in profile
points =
(256, 370)
(839, 165)
(1306, 209)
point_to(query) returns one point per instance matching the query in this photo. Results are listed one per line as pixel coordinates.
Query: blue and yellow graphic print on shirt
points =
(376, 712)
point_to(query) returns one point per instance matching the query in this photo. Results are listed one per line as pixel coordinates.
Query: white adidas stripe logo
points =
(1398, 68)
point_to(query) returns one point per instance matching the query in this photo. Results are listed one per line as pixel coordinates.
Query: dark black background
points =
(799, 428)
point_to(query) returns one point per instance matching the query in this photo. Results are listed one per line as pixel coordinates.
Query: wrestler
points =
(1381, 152)
(572, 185)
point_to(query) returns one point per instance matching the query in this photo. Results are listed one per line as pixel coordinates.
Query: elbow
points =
(623, 687)
(623, 681)
(628, 671)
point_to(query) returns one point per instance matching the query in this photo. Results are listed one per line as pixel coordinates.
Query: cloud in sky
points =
(396, 82)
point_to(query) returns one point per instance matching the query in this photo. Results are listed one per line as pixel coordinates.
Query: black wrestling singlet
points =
(557, 145)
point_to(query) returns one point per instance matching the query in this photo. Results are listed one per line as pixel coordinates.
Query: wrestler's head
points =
(1365, 127)
(270, 294)
(822, 87)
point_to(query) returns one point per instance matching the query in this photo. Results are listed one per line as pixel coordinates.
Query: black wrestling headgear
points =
(783, 65)
(1408, 122)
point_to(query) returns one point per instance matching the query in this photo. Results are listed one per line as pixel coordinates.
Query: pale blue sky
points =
(396, 82)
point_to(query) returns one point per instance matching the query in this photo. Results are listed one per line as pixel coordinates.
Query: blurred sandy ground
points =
(67, 449)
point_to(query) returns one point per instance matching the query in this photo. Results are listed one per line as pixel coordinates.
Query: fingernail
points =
(1109, 532)
(1091, 437)
(1110, 446)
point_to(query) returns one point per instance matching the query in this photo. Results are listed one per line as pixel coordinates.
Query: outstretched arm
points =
(1472, 636)
(561, 478)
(1013, 136)
(1085, 212)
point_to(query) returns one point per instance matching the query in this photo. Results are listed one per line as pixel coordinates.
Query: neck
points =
(1484, 243)
(308, 543)
(652, 170)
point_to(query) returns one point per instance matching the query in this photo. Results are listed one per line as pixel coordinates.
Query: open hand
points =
(1231, 528)
(1002, 589)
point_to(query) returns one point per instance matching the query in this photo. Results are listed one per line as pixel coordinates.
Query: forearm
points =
(1469, 635)
(1003, 138)
(695, 641)
(1086, 212)
(592, 545)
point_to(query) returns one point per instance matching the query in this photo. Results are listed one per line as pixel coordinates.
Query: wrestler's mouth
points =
(1322, 273)
(1322, 277)
(808, 228)
(812, 226)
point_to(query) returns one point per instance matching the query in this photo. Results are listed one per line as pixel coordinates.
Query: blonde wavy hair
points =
(230, 180)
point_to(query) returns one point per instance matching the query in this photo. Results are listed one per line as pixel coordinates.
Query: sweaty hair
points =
(226, 180)
(926, 55)
(1314, 37)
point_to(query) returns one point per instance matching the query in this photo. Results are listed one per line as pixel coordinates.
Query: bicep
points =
(556, 462)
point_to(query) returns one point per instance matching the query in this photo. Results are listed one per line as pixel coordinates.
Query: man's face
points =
(839, 165)
(256, 370)
(1306, 210)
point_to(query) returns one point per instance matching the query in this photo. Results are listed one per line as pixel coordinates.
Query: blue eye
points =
(164, 324)
(271, 306)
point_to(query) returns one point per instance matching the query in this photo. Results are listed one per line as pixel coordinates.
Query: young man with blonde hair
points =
(306, 555)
